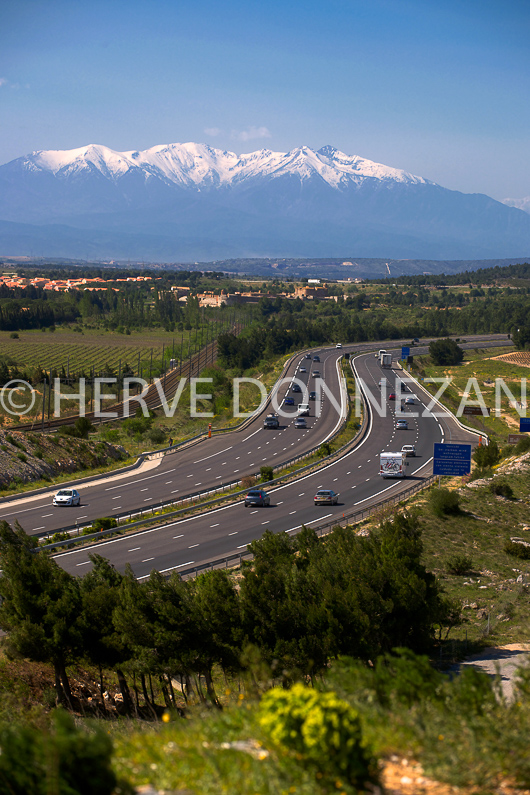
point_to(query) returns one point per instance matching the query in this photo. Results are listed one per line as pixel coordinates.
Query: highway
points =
(225, 457)
(220, 532)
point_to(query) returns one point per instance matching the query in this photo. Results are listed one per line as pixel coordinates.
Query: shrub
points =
(66, 759)
(14, 335)
(487, 455)
(458, 564)
(22, 457)
(157, 435)
(445, 352)
(105, 523)
(320, 730)
(247, 482)
(266, 473)
(79, 430)
(517, 550)
(502, 489)
(522, 446)
(444, 502)
(324, 450)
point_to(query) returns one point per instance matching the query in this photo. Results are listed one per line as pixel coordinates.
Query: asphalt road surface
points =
(223, 531)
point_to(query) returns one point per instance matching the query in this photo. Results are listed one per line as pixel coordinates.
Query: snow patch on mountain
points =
(201, 166)
(521, 204)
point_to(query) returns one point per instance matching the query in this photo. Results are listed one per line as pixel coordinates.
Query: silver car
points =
(67, 497)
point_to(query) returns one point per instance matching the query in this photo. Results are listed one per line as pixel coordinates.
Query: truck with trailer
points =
(393, 465)
(386, 360)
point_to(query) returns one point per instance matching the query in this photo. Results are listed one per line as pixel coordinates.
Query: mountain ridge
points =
(191, 201)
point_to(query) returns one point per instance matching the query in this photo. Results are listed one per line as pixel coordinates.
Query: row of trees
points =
(300, 603)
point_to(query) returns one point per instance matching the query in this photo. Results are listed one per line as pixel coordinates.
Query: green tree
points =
(40, 607)
(445, 352)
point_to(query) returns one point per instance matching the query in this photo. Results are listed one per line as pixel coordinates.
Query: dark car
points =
(316, 358)
(312, 396)
(297, 388)
(300, 422)
(308, 356)
(326, 497)
(289, 401)
(257, 497)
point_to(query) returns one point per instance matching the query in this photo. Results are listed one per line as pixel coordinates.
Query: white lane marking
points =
(82, 517)
(174, 491)
(168, 482)
(147, 560)
(291, 513)
(233, 534)
(119, 497)
(38, 528)
(215, 525)
(147, 499)
(302, 494)
(134, 549)
(116, 498)
(267, 522)
(208, 470)
(189, 476)
(311, 522)
(141, 480)
(197, 484)
(243, 546)
(213, 455)
(45, 515)
(251, 435)
(180, 536)
(85, 563)
(279, 503)
(193, 546)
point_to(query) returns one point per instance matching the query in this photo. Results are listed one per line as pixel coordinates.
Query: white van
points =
(303, 409)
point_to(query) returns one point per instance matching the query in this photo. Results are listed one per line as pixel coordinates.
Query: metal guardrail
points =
(321, 530)
(197, 496)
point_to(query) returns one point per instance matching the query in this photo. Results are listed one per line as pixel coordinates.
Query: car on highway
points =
(392, 396)
(338, 345)
(300, 422)
(308, 356)
(312, 395)
(326, 497)
(303, 369)
(408, 450)
(316, 358)
(289, 401)
(303, 409)
(403, 387)
(257, 497)
(316, 373)
(67, 497)
(297, 388)
(402, 425)
(415, 339)
(409, 401)
(271, 421)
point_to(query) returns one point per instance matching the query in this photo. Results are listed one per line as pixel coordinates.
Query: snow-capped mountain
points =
(200, 166)
(190, 201)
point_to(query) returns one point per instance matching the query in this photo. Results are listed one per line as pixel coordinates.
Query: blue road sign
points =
(452, 459)
(524, 424)
(405, 352)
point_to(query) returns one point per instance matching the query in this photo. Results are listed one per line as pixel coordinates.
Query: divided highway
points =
(221, 532)
(224, 458)
(230, 456)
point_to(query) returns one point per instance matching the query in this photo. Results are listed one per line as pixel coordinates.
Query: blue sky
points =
(439, 88)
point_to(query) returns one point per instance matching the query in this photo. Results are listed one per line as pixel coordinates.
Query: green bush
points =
(517, 550)
(502, 489)
(63, 761)
(487, 455)
(445, 352)
(157, 435)
(444, 502)
(105, 523)
(522, 446)
(320, 730)
(22, 457)
(266, 473)
(458, 564)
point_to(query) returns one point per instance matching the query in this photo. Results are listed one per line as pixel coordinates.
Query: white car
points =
(338, 345)
(303, 369)
(408, 450)
(67, 497)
